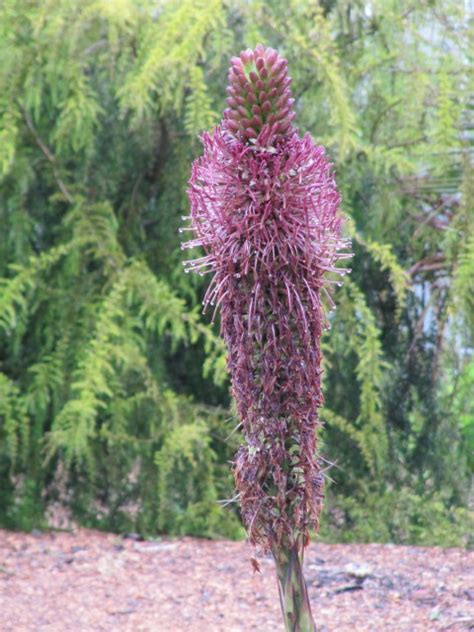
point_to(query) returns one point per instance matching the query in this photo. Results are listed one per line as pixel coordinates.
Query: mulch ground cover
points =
(89, 581)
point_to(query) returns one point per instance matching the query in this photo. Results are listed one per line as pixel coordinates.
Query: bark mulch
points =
(88, 581)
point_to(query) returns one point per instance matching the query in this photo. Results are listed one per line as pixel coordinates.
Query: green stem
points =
(294, 599)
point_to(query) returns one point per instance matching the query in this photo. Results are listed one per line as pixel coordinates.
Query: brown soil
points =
(87, 581)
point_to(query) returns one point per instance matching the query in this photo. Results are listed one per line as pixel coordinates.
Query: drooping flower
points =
(265, 209)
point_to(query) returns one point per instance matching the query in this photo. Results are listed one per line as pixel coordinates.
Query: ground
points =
(88, 581)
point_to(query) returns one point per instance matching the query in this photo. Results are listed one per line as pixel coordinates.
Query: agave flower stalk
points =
(264, 207)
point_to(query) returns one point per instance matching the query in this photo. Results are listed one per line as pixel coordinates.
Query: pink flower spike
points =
(265, 210)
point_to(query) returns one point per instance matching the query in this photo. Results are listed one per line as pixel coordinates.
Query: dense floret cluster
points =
(259, 95)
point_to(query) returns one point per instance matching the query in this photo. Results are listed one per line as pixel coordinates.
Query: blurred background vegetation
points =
(114, 401)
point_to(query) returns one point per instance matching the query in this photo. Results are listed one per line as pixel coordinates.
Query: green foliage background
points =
(113, 394)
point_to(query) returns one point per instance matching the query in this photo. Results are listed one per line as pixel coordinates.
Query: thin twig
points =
(436, 261)
(48, 153)
(467, 620)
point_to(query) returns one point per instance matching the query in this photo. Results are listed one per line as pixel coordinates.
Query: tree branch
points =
(48, 153)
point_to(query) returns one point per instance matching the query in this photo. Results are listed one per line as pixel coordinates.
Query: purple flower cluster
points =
(264, 207)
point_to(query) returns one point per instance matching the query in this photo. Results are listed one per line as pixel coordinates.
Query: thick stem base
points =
(294, 599)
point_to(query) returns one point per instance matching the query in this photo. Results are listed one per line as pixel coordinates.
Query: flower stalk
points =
(294, 599)
(265, 209)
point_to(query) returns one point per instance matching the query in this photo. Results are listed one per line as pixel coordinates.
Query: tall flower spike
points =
(264, 207)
